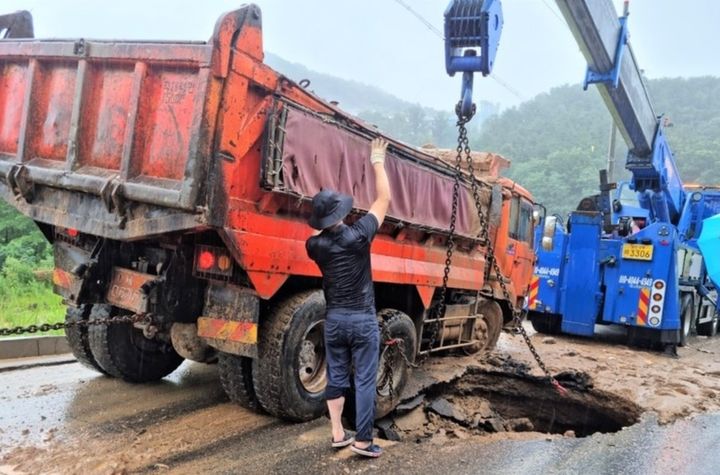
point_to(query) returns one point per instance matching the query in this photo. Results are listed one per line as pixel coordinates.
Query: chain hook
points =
(464, 112)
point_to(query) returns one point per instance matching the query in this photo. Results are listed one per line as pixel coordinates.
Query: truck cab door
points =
(520, 243)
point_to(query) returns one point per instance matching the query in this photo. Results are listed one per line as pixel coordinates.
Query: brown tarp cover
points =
(320, 155)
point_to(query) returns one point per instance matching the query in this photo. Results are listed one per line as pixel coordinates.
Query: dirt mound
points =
(485, 164)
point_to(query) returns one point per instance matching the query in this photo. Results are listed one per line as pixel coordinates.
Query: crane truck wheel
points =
(687, 319)
(709, 328)
(78, 339)
(289, 372)
(236, 380)
(545, 323)
(122, 350)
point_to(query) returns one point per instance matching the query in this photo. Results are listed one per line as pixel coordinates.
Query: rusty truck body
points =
(173, 180)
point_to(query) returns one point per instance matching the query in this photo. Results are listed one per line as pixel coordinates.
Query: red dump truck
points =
(173, 180)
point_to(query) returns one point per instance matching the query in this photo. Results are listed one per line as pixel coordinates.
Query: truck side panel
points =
(548, 274)
(581, 286)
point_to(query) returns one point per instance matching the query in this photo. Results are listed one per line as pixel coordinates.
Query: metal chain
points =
(388, 366)
(492, 261)
(393, 345)
(442, 306)
(46, 327)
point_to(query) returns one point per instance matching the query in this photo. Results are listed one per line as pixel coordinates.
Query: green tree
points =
(558, 141)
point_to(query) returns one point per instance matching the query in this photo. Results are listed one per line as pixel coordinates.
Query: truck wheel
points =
(709, 328)
(490, 327)
(122, 350)
(545, 323)
(236, 379)
(687, 319)
(394, 325)
(397, 348)
(289, 372)
(77, 337)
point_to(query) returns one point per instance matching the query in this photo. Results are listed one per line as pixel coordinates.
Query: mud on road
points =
(458, 413)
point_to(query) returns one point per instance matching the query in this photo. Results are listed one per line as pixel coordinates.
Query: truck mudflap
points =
(71, 266)
(229, 322)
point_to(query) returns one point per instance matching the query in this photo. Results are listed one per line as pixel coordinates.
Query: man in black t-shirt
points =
(352, 334)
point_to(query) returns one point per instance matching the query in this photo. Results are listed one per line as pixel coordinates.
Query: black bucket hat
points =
(328, 208)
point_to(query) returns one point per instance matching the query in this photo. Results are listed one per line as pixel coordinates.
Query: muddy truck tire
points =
(236, 379)
(122, 350)
(687, 319)
(289, 372)
(709, 328)
(395, 327)
(487, 328)
(78, 339)
(545, 323)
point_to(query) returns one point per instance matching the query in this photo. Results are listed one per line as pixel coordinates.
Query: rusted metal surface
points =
(132, 117)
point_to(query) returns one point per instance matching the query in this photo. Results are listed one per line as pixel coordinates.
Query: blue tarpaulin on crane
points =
(709, 243)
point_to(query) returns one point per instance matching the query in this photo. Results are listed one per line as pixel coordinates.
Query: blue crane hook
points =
(472, 35)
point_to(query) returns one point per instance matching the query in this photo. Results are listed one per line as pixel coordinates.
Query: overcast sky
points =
(379, 42)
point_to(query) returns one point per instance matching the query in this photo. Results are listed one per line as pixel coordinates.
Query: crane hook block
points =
(472, 35)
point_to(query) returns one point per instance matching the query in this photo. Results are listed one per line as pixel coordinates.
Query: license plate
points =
(124, 291)
(639, 252)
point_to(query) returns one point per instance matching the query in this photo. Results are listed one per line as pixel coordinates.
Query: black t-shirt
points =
(343, 256)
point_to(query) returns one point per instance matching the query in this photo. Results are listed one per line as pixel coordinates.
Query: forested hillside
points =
(559, 140)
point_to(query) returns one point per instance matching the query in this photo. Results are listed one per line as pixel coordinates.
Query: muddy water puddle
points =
(502, 397)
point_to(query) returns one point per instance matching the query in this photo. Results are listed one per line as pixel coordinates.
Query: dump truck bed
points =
(114, 121)
(78, 114)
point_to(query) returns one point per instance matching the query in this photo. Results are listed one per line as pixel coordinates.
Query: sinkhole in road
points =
(509, 400)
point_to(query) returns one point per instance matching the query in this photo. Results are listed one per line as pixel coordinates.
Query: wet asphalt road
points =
(63, 418)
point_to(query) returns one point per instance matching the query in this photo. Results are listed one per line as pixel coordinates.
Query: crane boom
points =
(598, 32)
(612, 66)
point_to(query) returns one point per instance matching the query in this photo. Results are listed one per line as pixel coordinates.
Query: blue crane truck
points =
(634, 262)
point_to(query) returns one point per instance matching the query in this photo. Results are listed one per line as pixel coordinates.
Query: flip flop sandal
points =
(347, 440)
(373, 451)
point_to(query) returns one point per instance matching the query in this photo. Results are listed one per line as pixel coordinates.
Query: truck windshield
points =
(521, 220)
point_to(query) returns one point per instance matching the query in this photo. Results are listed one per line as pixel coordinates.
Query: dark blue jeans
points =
(353, 338)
